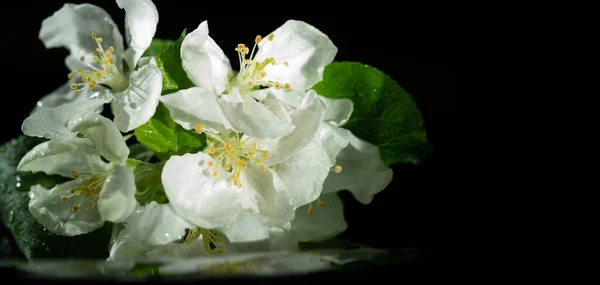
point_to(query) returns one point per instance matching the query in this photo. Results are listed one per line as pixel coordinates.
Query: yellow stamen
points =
(321, 204)
(199, 128)
(311, 210)
(71, 74)
(93, 36)
(338, 169)
(258, 39)
(64, 198)
(75, 208)
(270, 37)
(210, 163)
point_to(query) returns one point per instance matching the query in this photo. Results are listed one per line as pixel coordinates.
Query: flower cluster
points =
(274, 151)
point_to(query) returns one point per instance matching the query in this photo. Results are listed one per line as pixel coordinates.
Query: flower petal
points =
(63, 157)
(333, 139)
(337, 111)
(306, 119)
(306, 49)
(204, 61)
(271, 195)
(56, 214)
(196, 105)
(363, 172)
(137, 104)
(141, 18)
(103, 133)
(72, 26)
(323, 223)
(126, 247)
(116, 201)
(195, 195)
(155, 224)
(252, 118)
(246, 228)
(64, 95)
(51, 123)
(304, 172)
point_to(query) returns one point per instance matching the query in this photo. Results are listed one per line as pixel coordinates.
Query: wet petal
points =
(196, 105)
(141, 18)
(57, 215)
(64, 95)
(204, 61)
(246, 228)
(333, 139)
(116, 201)
(196, 196)
(72, 26)
(363, 172)
(306, 49)
(137, 104)
(337, 111)
(51, 123)
(63, 157)
(103, 133)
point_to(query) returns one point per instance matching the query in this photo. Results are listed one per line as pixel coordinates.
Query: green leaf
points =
(165, 137)
(31, 238)
(157, 46)
(147, 181)
(384, 113)
(169, 62)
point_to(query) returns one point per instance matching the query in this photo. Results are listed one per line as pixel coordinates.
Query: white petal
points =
(333, 139)
(337, 111)
(126, 247)
(363, 172)
(246, 228)
(282, 239)
(252, 118)
(62, 157)
(196, 105)
(272, 197)
(141, 18)
(155, 224)
(57, 216)
(306, 119)
(51, 123)
(137, 104)
(292, 98)
(204, 61)
(323, 223)
(103, 133)
(195, 195)
(179, 251)
(72, 26)
(304, 172)
(64, 95)
(116, 201)
(304, 47)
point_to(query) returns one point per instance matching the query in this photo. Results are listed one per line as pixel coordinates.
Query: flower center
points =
(210, 239)
(90, 189)
(108, 74)
(231, 153)
(252, 72)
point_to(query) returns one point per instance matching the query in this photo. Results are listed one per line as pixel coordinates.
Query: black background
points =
(414, 45)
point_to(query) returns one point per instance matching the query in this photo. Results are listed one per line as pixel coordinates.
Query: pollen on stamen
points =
(75, 208)
(227, 166)
(70, 75)
(270, 37)
(287, 86)
(73, 85)
(214, 174)
(98, 40)
(210, 163)
(311, 210)
(77, 92)
(338, 169)
(265, 154)
(263, 168)
(286, 63)
(258, 39)
(320, 204)
(64, 198)
(93, 36)
(75, 174)
(199, 128)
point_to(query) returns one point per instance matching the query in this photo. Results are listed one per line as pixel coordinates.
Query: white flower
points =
(359, 167)
(100, 191)
(157, 231)
(97, 60)
(292, 57)
(323, 223)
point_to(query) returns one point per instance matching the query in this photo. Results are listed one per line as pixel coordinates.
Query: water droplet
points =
(18, 184)
(44, 229)
(11, 216)
(39, 103)
(167, 234)
(18, 178)
(134, 106)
